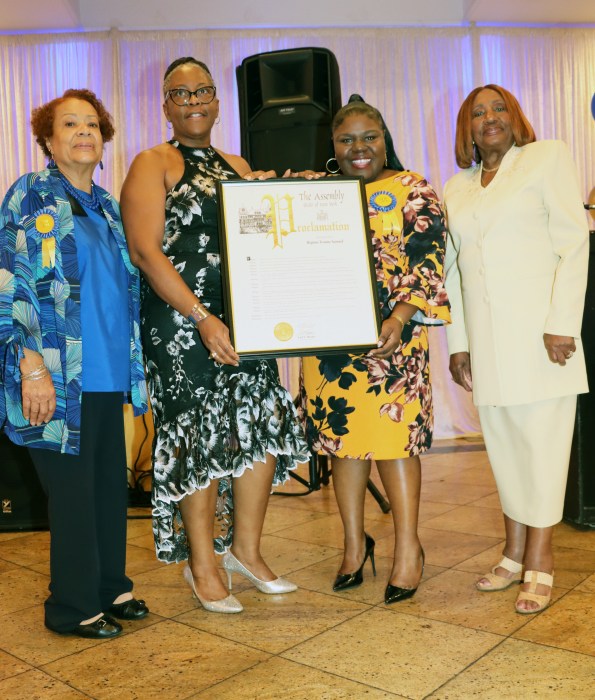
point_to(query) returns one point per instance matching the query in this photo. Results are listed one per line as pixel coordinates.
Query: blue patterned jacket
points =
(40, 308)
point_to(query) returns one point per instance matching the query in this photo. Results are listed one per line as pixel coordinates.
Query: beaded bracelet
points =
(197, 314)
(37, 373)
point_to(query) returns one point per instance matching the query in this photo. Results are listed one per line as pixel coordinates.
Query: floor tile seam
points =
(471, 503)
(31, 666)
(454, 506)
(343, 678)
(586, 654)
(21, 610)
(66, 683)
(330, 593)
(457, 563)
(466, 668)
(509, 635)
(326, 546)
(141, 547)
(577, 548)
(425, 616)
(220, 636)
(287, 495)
(27, 566)
(324, 631)
(460, 532)
(43, 667)
(299, 663)
(5, 561)
(286, 527)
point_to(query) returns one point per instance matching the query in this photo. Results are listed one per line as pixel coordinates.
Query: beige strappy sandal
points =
(501, 583)
(533, 578)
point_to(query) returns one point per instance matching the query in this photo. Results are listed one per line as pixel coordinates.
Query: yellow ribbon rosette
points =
(46, 227)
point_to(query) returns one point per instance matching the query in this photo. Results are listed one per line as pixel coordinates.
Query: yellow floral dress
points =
(363, 407)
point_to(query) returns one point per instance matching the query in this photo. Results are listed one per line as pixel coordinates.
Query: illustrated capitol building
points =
(253, 221)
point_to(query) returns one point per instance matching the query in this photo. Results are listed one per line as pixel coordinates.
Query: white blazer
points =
(516, 268)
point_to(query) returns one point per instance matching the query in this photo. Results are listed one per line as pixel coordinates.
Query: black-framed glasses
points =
(181, 96)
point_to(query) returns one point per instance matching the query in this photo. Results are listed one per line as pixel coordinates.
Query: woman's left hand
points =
(389, 339)
(307, 174)
(260, 175)
(559, 347)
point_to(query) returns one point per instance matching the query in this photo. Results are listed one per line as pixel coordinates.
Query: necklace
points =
(87, 200)
(490, 170)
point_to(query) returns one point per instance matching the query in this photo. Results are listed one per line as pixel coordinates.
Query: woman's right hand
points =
(38, 396)
(215, 337)
(308, 174)
(460, 368)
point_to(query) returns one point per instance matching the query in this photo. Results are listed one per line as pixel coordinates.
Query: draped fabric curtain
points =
(417, 77)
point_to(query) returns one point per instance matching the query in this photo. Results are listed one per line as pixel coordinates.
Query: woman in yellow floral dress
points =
(378, 406)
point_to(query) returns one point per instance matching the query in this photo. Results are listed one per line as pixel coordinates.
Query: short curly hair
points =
(42, 118)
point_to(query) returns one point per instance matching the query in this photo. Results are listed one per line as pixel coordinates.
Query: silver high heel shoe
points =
(225, 605)
(279, 585)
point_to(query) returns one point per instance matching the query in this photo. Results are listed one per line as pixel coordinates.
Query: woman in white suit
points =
(516, 277)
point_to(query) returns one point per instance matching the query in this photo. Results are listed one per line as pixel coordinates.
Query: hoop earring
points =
(218, 120)
(328, 169)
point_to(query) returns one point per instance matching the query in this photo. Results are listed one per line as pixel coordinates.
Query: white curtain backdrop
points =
(416, 77)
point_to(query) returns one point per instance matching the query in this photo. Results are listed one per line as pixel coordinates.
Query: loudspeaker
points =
(579, 503)
(23, 503)
(287, 103)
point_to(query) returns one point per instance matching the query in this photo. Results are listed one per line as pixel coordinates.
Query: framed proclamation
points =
(297, 266)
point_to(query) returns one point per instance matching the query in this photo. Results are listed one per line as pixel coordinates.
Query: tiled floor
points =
(448, 642)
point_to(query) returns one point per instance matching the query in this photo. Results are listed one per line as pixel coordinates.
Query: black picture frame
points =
(327, 220)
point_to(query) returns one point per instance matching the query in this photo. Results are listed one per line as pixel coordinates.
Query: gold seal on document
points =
(283, 331)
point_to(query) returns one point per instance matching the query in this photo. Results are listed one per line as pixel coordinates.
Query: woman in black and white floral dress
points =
(218, 421)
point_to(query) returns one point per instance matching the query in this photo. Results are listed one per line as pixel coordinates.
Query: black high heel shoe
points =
(393, 594)
(344, 581)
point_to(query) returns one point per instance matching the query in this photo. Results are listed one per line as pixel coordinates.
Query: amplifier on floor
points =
(23, 503)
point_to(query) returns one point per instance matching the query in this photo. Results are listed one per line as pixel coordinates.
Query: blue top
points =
(40, 308)
(104, 305)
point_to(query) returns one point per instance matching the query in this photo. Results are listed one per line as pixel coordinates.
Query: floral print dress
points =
(212, 421)
(362, 407)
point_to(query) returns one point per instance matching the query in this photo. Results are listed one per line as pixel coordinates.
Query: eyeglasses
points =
(181, 96)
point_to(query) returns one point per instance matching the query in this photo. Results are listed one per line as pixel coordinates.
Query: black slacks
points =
(87, 502)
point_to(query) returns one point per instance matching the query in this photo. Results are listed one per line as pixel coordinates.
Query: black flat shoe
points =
(344, 581)
(393, 594)
(103, 628)
(132, 609)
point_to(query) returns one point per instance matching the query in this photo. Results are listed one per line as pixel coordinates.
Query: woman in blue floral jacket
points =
(70, 356)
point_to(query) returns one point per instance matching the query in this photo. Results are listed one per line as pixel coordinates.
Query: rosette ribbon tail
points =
(48, 252)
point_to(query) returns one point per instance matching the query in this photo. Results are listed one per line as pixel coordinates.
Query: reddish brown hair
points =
(521, 128)
(42, 118)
